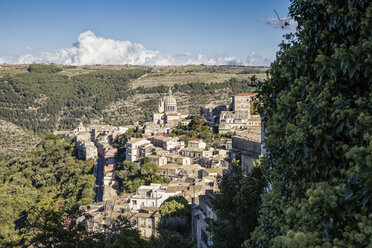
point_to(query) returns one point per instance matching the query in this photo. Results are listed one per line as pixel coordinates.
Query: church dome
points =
(170, 103)
(170, 100)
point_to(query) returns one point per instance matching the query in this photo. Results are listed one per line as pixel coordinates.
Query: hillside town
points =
(191, 166)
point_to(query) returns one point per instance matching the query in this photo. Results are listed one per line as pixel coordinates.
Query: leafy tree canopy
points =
(39, 68)
(236, 206)
(47, 178)
(317, 108)
(175, 206)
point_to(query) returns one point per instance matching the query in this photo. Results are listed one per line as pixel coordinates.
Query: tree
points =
(175, 223)
(175, 206)
(39, 68)
(317, 110)
(236, 206)
(58, 229)
(197, 122)
(149, 169)
(170, 239)
(38, 187)
(124, 235)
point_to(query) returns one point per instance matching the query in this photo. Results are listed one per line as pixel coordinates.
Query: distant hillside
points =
(59, 97)
(14, 140)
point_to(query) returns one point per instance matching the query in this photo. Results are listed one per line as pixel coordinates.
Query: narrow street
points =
(99, 179)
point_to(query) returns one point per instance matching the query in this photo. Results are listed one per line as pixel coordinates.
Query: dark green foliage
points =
(197, 122)
(175, 206)
(37, 68)
(175, 223)
(196, 129)
(130, 176)
(58, 229)
(61, 229)
(45, 178)
(170, 239)
(149, 169)
(124, 235)
(233, 84)
(50, 101)
(317, 110)
(236, 206)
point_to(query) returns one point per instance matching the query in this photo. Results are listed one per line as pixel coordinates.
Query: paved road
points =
(99, 179)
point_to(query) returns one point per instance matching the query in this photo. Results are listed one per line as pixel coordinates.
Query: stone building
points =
(211, 113)
(246, 151)
(152, 195)
(242, 102)
(196, 143)
(159, 160)
(132, 149)
(146, 220)
(167, 111)
(200, 214)
(239, 117)
(196, 153)
(167, 143)
(85, 147)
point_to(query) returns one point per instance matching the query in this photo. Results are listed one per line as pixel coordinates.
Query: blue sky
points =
(212, 28)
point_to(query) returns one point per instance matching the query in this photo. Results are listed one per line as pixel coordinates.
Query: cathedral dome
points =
(170, 103)
(170, 100)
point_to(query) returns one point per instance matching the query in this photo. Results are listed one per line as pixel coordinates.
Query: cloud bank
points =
(284, 23)
(90, 50)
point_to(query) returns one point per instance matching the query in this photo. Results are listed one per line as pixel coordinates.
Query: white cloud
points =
(284, 23)
(90, 49)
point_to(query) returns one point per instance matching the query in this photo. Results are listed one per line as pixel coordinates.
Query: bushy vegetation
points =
(198, 128)
(130, 176)
(175, 223)
(317, 108)
(317, 111)
(236, 206)
(48, 101)
(53, 101)
(14, 140)
(200, 88)
(38, 68)
(56, 232)
(47, 178)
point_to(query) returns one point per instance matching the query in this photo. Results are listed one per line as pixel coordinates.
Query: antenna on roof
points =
(285, 23)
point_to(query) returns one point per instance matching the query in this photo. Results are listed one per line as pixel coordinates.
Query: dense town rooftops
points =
(169, 166)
